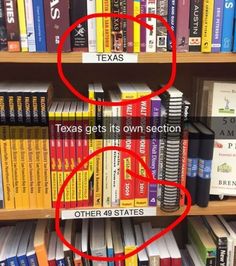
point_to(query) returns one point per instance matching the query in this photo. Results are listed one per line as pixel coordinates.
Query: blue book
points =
(39, 25)
(12, 261)
(234, 48)
(227, 27)
(172, 20)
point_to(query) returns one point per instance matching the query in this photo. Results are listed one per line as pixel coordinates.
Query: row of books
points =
(36, 26)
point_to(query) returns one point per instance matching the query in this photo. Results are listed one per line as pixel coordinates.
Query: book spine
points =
(154, 150)
(184, 165)
(22, 25)
(217, 26)
(30, 25)
(12, 25)
(92, 37)
(107, 26)
(117, 33)
(1, 184)
(124, 23)
(79, 36)
(227, 26)
(151, 34)
(133, 260)
(207, 22)
(162, 10)
(195, 35)
(136, 27)
(143, 8)
(99, 28)
(171, 19)
(39, 26)
(3, 30)
(182, 28)
(32, 260)
(221, 254)
(56, 22)
(130, 28)
(234, 45)
(143, 148)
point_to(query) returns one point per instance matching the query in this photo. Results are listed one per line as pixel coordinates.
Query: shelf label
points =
(108, 213)
(112, 58)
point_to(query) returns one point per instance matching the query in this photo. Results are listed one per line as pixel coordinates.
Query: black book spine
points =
(171, 19)
(3, 31)
(20, 108)
(69, 261)
(195, 25)
(12, 107)
(162, 10)
(3, 108)
(79, 36)
(35, 108)
(27, 109)
(116, 25)
(124, 24)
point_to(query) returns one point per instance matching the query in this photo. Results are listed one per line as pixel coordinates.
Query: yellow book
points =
(107, 26)
(22, 25)
(6, 160)
(207, 23)
(99, 26)
(137, 30)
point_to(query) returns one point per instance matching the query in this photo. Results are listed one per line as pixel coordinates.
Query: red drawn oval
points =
(149, 179)
(135, 19)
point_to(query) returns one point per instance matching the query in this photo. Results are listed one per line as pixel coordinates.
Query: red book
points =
(143, 144)
(173, 249)
(184, 165)
(130, 27)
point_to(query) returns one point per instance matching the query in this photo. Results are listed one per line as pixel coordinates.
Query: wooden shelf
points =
(75, 57)
(227, 207)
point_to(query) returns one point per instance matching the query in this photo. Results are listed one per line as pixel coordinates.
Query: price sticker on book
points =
(114, 58)
(108, 213)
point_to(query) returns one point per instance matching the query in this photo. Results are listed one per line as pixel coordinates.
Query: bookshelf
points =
(76, 57)
(226, 207)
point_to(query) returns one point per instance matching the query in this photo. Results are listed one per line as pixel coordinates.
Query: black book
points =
(79, 36)
(3, 31)
(124, 24)
(192, 169)
(206, 148)
(171, 19)
(195, 25)
(116, 25)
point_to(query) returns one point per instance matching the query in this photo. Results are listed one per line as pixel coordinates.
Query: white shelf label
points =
(108, 213)
(113, 58)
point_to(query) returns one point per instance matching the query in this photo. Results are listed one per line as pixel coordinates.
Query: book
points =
(182, 26)
(142, 255)
(6, 248)
(207, 23)
(79, 35)
(117, 241)
(12, 25)
(130, 28)
(3, 30)
(1, 186)
(99, 28)
(30, 25)
(52, 249)
(56, 22)
(227, 26)
(69, 235)
(109, 241)
(39, 26)
(151, 41)
(195, 25)
(124, 22)
(234, 45)
(92, 37)
(60, 259)
(202, 240)
(217, 25)
(196, 260)
(77, 258)
(136, 27)
(85, 240)
(31, 254)
(22, 25)
(107, 27)
(116, 28)
(173, 249)
(171, 19)
(143, 10)
(162, 10)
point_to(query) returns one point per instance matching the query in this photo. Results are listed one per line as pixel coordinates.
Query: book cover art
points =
(151, 34)
(12, 25)
(182, 31)
(79, 36)
(56, 22)
(217, 25)
(195, 34)
(22, 25)
(3, 30)
(162, 10)
(117, 32)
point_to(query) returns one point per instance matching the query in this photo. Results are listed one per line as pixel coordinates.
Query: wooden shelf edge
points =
(227, 207)
(76, 57)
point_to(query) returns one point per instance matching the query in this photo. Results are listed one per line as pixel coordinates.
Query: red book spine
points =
(130, 27)
(142, 149)
(52, 263)
(184, 166)
(85, 143)
(176, 262)
(165, 262)
(120, 262)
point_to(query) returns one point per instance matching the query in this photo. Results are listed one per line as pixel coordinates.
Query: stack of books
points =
(37, 26)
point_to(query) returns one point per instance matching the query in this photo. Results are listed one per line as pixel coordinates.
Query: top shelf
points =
(76, 57)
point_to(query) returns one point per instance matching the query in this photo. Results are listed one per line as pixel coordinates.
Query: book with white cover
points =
(85, 237)
(92, 43)
(60, 258)
(194, 255)
(6, 233)
(30, 25)
(151, 34)
(172, 248)
(142, 255)
(52, 247)
(109, 241)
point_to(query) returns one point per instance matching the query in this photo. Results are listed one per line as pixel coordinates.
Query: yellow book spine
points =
(137, 30)
(7, 170)
(107, 27)
(99, 26)
(207, 23)
(46, 168)
(133, 260)
(22, 25)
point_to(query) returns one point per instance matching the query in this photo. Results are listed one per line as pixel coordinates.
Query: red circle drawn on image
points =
(148, 179)
(137, 19)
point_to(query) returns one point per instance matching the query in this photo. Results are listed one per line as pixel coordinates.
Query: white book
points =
(151, 34)
(92, 39)
(194, 255)
(85, 237)
(30, 25)
(22, 250)
(116, 118)
(59, 251)
(162, 246)
(78, 245)
(52, 246)
(30, 249)
(108, 236)
(142, 255)
(172, 247)
(5, 235)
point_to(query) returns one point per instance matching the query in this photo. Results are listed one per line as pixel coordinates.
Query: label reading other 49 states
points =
(112, 58)
(106, 213)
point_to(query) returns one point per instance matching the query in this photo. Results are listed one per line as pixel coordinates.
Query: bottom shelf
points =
(225, 207)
